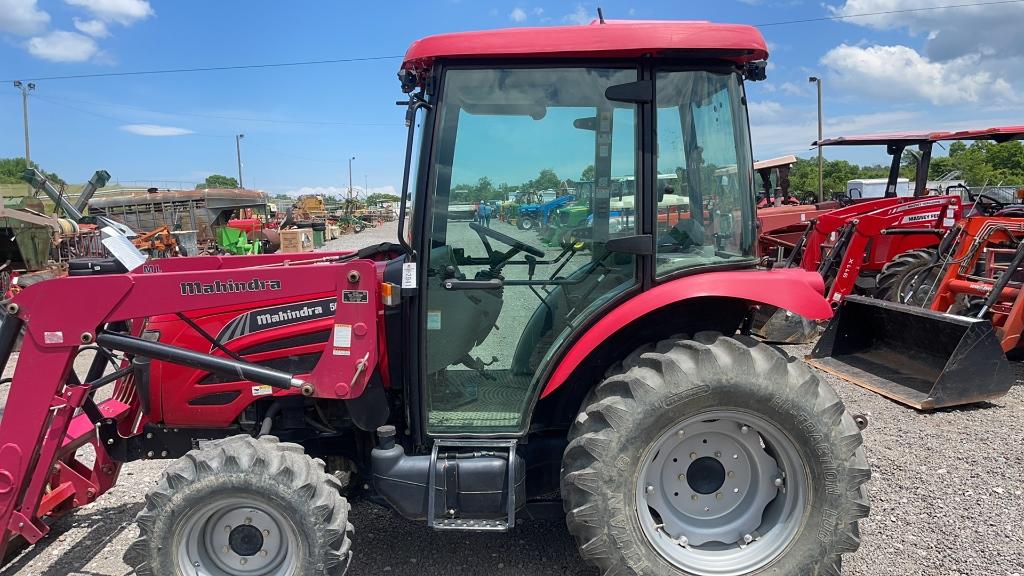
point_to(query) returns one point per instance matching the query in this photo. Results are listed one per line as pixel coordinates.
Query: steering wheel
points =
(505, 239)
(988, 205)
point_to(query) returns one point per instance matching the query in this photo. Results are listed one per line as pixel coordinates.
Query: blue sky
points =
(937, 69)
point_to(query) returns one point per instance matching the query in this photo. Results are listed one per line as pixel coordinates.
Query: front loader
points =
(944, 344)
(465, 377)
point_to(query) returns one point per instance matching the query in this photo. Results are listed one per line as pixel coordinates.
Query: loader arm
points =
(40, 431)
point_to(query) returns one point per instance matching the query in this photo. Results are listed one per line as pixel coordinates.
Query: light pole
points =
(25, 88)
(349, 206)
(821, 163)
(238, 154)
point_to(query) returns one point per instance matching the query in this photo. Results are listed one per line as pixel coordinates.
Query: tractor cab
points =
(496, 304)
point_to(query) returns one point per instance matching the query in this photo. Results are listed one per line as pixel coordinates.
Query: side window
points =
(705, 197)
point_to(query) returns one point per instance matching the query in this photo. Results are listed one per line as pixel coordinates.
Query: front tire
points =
(244, 507)
(779, 490)
(912, 271)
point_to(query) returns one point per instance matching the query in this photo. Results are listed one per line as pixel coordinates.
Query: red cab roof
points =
(877, 139)
(613, 39)
(998, 134)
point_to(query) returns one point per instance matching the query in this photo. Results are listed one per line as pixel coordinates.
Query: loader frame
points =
(45, 423)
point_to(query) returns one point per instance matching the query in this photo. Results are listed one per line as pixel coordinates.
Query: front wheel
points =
(244, 507)
(714, 456)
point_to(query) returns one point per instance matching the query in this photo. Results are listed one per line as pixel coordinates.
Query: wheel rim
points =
(235, 537)
(722, 493)
(916, 287)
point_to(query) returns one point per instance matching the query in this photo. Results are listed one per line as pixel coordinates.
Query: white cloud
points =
(94, 28)
(578, 16)
(764, 110)
(517, 15)
(900, 72)
(154, 130)
(63, 46)
(22, 17)
(124, 12)
(988, 31)
(538, 11)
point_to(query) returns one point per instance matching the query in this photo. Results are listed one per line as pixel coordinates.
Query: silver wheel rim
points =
(722, 493)
(237, 537)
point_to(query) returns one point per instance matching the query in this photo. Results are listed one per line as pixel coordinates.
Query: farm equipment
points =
(952, 351)
(531, 216)
(617, 384)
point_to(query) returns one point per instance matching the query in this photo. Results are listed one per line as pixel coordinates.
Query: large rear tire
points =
(245, 507)
(901, 279)
(714, 456)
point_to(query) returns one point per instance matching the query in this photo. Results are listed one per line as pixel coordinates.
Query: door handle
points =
(453, 284)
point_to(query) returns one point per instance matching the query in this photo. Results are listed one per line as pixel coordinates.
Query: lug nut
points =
(718, 454)
(242, 561)
(735, 456)
(263, 553)
(747, 538)
(735, 490)
(681, 433)
(778, 482)
(730, 474)
(225, 550)
(693, 455)
(266, 532)
(718, 496)
(694, 497)
(650, 489)
(248, 520)
(227, 528)
(744, 429)
(683, 541)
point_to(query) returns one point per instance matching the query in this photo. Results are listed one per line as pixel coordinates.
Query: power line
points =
(233, 118)
(887, 12)
(111, 118)
(212, 68)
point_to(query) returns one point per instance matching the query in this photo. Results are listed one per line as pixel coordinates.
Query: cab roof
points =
(611, 39)
(997, 134)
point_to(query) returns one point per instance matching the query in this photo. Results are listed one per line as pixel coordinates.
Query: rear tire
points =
(527, 224)
(898, 275)
(704, 383)
(280, 512)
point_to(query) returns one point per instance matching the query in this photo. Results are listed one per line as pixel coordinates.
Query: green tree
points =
(588, 174)
(12, 171)
(218, 181)
(546, 180)
(380, 198)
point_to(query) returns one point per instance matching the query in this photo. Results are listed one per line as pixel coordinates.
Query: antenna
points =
(600, 15)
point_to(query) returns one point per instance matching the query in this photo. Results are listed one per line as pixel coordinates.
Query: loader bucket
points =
(915, 356)
(779, 326)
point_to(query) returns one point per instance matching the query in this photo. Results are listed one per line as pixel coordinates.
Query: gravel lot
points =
(946, 499)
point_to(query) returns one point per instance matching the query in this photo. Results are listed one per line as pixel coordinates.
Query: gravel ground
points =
(946, 500)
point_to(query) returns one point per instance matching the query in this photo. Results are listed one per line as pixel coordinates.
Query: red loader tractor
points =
(465, 377)
(960, 311)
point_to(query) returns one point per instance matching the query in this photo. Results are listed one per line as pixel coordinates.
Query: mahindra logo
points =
(228, 287)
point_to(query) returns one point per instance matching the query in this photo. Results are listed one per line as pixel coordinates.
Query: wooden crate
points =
(297, 240)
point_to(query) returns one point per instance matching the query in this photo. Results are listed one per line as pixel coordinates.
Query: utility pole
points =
(25, 88)
(238, 153)
(821, 162)
(366, 189)
(348, 208)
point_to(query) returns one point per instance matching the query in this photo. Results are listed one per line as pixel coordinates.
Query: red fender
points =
(793, 289)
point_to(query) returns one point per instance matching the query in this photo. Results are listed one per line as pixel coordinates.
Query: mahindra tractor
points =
(466, 377)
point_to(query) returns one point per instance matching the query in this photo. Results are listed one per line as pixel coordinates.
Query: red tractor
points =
(466, 376)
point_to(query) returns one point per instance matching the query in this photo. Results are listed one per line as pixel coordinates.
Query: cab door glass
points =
(705, 174)
(530, 181)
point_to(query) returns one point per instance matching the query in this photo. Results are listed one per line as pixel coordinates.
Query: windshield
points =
(706, 216)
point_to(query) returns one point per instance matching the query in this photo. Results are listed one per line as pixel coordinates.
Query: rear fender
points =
(790, 289)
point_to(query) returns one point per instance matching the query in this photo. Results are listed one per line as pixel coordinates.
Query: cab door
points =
(499, 299)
